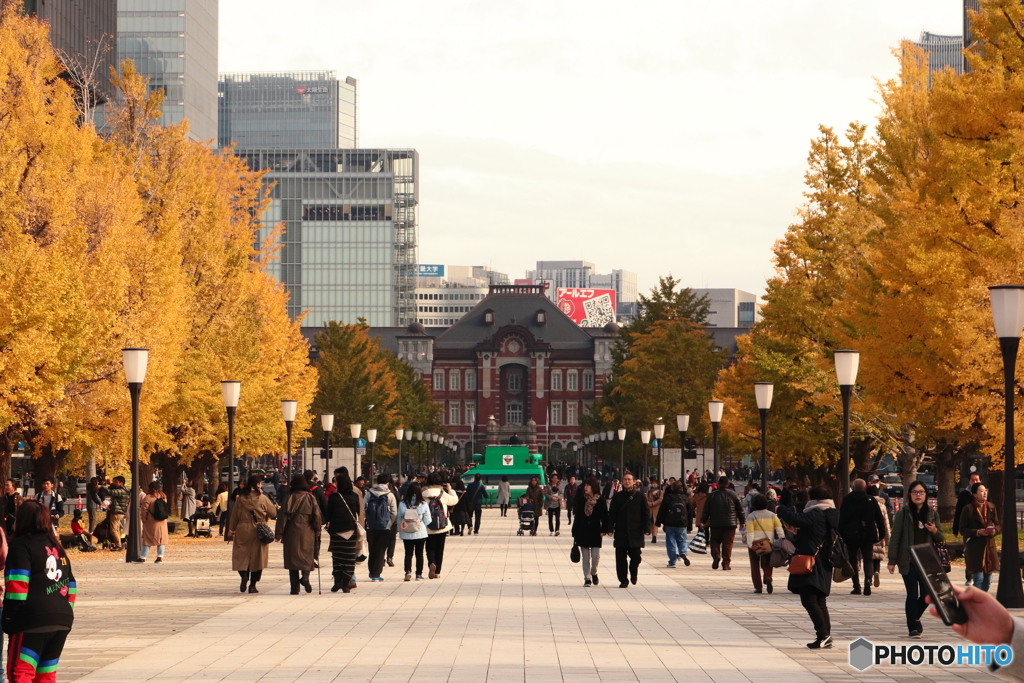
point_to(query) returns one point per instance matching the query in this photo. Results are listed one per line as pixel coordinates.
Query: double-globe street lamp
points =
(847, 363)
(1008, 315)
(288, 410)
(715, 410)
(327, 424)
(135, 361)
(763, 394)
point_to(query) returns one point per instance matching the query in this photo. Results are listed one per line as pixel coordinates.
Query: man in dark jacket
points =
(675, 516)
(963, 500)
(570, 497)
(317, 489)
(476, 492)
(722, 513)
(628, 519)
(119, 495)
(861, 526)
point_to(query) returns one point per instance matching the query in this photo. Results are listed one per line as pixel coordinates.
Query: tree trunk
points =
(945, 466)
(909, 457)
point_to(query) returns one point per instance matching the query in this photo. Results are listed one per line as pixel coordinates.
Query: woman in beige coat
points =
(654, 498)
(249, 557)
(154, 531)
(298, 527)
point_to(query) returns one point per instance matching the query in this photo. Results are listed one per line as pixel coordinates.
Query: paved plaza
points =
(507, 608)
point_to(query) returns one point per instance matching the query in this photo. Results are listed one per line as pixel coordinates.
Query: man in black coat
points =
(722, 513)
(962, 501)
(861, 526)
(628, 519)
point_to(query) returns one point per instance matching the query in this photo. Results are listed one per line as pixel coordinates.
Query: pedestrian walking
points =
(51, 499)
(722, 514)
(965, 498)
(343, 512)
(414, 518)
(220, 508)
(393, 532)
(155, 511)
(591, 523)
(12, 500)
(979, 524)
(381, 511)
(504, 495)
(628, 518)
(699, 499)
(38, 610)
(187, 508)
(654, 498)
(476, 492)
(298, 530)
(249, 557)
(861, 526)
(675, 515)
(817, 525)
(569, 494)
(93, 502)
(915, 524)
(535, 495)
(880, 551)
(762, 528)
(440, 498)
(553, 505)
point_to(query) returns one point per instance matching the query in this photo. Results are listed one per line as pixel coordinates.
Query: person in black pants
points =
(861, 525)
(628, 519)
(476, 492)
(553, 505)
(570, 498)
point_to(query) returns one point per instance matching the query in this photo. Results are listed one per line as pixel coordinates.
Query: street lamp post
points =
(408, 449)
(1008, 315)
(371, 438)
(327, 424)
(439, 448)
(288, 410)
(428, 447)
(645, 437)
(230, 391)
(763, 393)
(847, 363)
(399, 433)
(659, 434)
(354, 430)
(715, 410)
(135, 361)
(419, 437)
(683, 425)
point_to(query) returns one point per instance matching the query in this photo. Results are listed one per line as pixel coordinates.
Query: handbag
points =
(699, 544)
(263, 531)
(804, 564)
(574, 554)
(761, 546)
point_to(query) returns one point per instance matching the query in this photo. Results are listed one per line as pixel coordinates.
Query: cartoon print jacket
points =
(41, 589)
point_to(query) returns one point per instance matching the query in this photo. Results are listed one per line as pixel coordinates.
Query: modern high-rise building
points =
(287, 110)
(943, 52)
(730, 307)
(348, 249)
(83, 31)
(969, 6)
(174, 44)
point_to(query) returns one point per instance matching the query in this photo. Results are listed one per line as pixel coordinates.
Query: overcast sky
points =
(656, 137)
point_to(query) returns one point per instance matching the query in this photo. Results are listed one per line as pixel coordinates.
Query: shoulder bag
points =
(574, 554)
(263, 532)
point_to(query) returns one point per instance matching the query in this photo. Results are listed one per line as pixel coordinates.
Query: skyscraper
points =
(943, 51)
(174, 44)
(969, 6)
(287, 110)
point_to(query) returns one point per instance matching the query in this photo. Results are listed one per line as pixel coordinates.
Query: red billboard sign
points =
(587, 307)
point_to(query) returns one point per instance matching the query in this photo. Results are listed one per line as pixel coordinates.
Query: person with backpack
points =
(381, 511)
(413, 520)
(722, 513)
(155, 512)
(476, 492)
(861, 526)
(439, 497)
(675, 516)
(817, 532)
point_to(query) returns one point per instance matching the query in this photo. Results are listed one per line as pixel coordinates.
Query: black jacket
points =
(587, 531)
(813, 537)
(962, 501)
(317, 489)
(342, 511)
(675, 510)
(41, 589)
(722, 510)
(629, 518)
(860, 519)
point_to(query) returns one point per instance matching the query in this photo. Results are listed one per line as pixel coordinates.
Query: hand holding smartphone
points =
(929, 567)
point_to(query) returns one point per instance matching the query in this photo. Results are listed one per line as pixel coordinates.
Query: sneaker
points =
(878, 580)
(867, 590)
(376, 579)
(558, 533)
(670, 565)
(391, 563)
(419, 577)
(159, 560)
(433, 571)
(686, 560)
(408, 576)
(855, 591)
(821, 644)
(586, 583)
(594, 577)
(551, 533)
(916, 635)
(727, 569)
(714, 563)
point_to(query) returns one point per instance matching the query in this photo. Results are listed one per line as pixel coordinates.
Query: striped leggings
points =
(33, 657)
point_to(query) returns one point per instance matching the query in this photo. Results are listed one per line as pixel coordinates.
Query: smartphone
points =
(937, 582)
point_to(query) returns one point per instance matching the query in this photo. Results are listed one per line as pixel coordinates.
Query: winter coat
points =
(762, 524)
(813, 537)
(587, 531)
(154, 531)
(40, 588)
(56, 504)
(629, 518)
(447, 498)
(477, 494)
(964, 499)
(552, 497)
(298, 528)
(187, 496)
(119, 496)
(655, 496)
(504, 493)
(723, 510)
(881, 549)
(903, 525)
(535, 494)
(979, 548)
(860, 519)
(675, 510)
(247, 553)
(423, 514)
(698, 500)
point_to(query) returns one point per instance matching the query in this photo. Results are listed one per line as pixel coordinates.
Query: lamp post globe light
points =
(715, 410)
(1008, 316)
(135, 361)
(763, 392)
(327, 424)
(847, 363)
(399, 433)
(288, 410)
(682, 426)
(645, 437)
(621, 432)
(659, 434)
(371, 438)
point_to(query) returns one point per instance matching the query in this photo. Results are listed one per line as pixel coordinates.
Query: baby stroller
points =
(526, 517)
(203, 520)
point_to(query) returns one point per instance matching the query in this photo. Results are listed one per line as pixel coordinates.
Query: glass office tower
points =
(287, 110)
(174, 44)
(348, 249)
